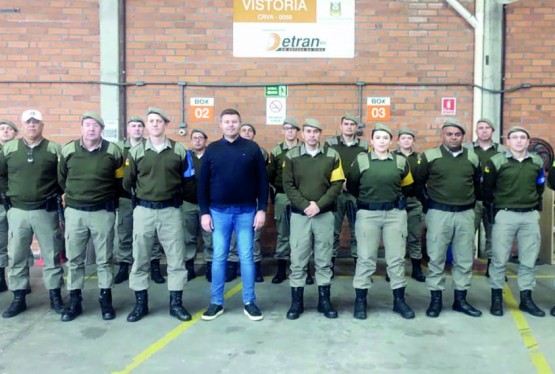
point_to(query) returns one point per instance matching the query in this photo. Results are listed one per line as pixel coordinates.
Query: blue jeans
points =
(226, 220)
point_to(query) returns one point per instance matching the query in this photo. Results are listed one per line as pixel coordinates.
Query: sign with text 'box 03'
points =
(378, 109)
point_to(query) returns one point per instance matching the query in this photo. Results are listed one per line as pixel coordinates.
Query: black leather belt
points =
(107, 205)
(519, 210)
(372, 206)
(157, 204)
(449, 208)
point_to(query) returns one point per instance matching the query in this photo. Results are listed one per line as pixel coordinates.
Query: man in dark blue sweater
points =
(233, 196)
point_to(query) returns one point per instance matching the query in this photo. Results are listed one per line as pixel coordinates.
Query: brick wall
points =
(531, 59)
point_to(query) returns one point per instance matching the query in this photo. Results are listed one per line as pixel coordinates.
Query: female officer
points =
(379, 180)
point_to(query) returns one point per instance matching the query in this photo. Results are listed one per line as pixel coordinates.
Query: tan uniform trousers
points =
(457, 229)
(414, 226)
(311, 236)
(341, 210)
(123, 247)
(371, 226)
(283, 249)
(526, 227)
(193, 230)
(81, 227)
(46, 227)
(167, 223)
(479, 217)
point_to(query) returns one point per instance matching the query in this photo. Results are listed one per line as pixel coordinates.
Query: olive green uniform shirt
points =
(156, 176)
(372, 180)
(451, 180)
(307, 178)
(28, 176)
(90, 177)
(512, 184)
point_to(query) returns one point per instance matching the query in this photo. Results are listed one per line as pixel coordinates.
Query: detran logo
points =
(294, 44)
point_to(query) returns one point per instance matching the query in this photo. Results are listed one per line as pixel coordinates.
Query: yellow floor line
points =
(530, 342)
(170, 336)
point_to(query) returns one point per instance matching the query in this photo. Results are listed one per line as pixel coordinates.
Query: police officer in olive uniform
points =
(405, 142)
(90, 171)
(28, 179)
(8, 131)
(191, 211)
(485, 148)
(513, 185)
(377, 180)
(348, 146)
(312, 179)
(282, 205)
(156, 171)
(448, 182)
(247, 131)
(124, 250)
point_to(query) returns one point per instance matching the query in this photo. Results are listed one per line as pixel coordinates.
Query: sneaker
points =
(252, 311)
(213, 312)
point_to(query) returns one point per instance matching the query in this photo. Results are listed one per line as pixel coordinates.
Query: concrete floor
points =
(37, 342)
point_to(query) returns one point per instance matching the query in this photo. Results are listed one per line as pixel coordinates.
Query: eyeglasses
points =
(30, 158)
(287, 128)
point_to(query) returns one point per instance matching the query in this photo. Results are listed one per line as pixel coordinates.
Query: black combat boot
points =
(461, 305)
(56, 302)
(324, 302)
(258, 278)
(297, 303)
(156, 273)
(208, 273)
(123, 273)
(399, 304)
(528, 305)
(281, 273)
(141, 306)
(360, 303)
(177, 309)
(417, 273)
(436, 304)
(74, 309)
(106, 308)
(553, 311)
(3, 285)
(17, 306)
(231, 271)
(496, 302)
(309, 280)
(190, 266)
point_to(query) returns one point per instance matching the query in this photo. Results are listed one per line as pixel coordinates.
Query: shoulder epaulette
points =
(113, 149)
(536, 159)
(330, 152)
(332, 140)
(432, 154)
(401, 161)
(363, 161)
(54, 148)
(473, 158)
(68, 148)
(294, 152)
(137, 151)
(364, 144)
(10, 147)
(499, 160)
(178, 148)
